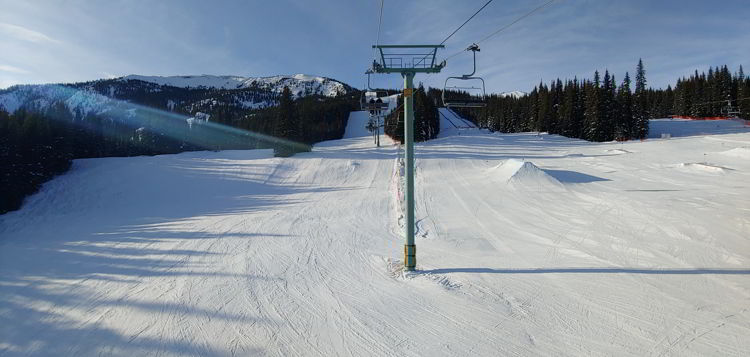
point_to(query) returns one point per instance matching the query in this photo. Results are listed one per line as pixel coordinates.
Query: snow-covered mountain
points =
(299, 84)
(41, 97)
(514, 94)
(187, 94)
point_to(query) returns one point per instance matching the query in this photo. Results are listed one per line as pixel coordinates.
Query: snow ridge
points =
(299, 84)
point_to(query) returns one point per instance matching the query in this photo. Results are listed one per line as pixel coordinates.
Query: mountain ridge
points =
(188, 94)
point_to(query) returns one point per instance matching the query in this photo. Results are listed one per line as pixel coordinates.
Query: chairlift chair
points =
(373, 105)
(470, 101)
(730, 110)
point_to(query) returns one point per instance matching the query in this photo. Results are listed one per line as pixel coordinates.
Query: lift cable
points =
(377, 38)
(504, 27)
(462, 25)
(380, 22)
(722, 101)
(465, 22)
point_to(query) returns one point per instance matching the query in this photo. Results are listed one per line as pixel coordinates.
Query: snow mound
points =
(522, 173)
(703, 167)
(617, 151)
(742, 153)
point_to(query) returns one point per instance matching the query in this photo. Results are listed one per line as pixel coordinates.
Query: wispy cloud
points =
(12, 69)
(25, 34)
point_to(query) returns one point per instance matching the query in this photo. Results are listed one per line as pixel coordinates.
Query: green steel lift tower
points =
(408, 60)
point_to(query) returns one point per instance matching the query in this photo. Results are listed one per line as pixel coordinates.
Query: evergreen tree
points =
(743, 95)
(592, 115)
(286, 125)
(624, 123)
(640, 116)
(544, 107)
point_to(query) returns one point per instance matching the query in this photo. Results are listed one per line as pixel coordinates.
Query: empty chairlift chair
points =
(471, 96)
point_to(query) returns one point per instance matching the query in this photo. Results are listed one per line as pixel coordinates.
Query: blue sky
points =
(76, 40)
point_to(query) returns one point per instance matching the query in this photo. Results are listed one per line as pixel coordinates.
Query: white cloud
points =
(25, 34)
(12, 69)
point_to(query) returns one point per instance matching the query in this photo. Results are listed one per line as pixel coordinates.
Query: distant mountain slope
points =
(299, 84)
(185, 94)
(514, 94)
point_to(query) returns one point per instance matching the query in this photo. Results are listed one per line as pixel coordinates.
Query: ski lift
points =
(730, 110)
(468, 100)
(373, 103)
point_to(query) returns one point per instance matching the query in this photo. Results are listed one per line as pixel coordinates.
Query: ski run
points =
(527, 244)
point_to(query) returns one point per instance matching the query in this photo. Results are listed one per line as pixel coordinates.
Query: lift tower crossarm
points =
(394, 62)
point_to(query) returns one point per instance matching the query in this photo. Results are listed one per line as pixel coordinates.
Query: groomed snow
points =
(527, 244)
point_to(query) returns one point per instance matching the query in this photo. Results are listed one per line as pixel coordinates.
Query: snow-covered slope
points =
(527, 245)
(299, 84)
(40, 97)
(451, 123)
(685, 127)
(356, 126)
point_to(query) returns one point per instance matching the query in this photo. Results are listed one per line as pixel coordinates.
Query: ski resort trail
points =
(528, 244)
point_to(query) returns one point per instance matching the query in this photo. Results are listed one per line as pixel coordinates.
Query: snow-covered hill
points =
(527, 244)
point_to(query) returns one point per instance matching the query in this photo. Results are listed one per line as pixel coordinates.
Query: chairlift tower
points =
(408, 60)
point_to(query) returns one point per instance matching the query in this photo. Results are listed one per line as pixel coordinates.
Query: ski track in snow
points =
(528, 244)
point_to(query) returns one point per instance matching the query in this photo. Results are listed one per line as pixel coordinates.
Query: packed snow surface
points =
(451, 123)
(742, 153)
(527, 244)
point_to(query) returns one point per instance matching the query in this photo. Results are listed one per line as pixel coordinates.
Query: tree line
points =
(426, 121)
(601, 109)
(712, 94)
